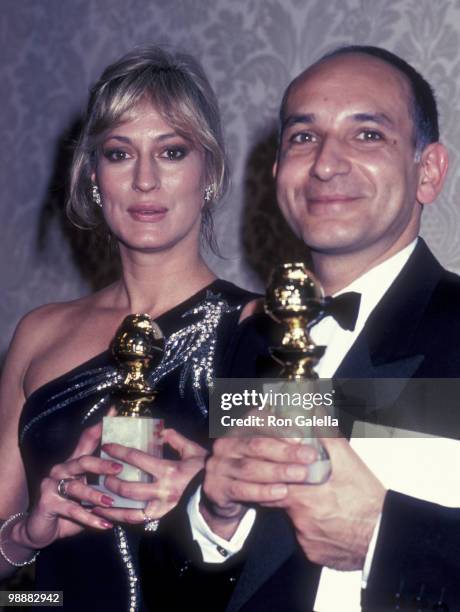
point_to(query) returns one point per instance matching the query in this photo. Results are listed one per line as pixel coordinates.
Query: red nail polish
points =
(117, 466)
(106, 500)
(106, 524)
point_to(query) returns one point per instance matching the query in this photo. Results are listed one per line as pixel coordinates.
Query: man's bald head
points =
(422, 105)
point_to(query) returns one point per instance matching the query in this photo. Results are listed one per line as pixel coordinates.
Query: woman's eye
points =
(175, 153)
(370, 136)
(115, 155)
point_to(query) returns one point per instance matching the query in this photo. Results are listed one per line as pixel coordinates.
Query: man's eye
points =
(115, 155)
(370, 136)
(175, 153)
(302, 138)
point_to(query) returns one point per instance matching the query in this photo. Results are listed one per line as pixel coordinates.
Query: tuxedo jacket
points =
(414, 332)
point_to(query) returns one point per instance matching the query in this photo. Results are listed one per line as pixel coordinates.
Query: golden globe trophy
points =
(138, 348)
(294, 299)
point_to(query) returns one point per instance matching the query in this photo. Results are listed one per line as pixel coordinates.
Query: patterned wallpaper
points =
(51, 50)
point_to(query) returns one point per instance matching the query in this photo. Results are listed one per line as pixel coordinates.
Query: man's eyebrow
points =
(294, 119)
(380, 118)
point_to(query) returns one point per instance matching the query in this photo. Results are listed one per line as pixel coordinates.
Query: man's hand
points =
(244, 471)
(334, 521)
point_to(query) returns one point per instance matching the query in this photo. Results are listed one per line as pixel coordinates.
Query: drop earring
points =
(208, 193)
(96, 195)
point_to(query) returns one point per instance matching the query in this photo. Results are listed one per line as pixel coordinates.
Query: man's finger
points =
(256, 493)
(269, 449)
(258, 471)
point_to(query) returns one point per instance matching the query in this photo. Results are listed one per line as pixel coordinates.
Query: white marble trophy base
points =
(320, 470)
(142, 433)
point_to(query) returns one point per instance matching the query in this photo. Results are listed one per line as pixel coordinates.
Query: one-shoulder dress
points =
(98, 571)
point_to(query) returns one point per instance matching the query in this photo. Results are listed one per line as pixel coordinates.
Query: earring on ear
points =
(96, 195)
(208, 194)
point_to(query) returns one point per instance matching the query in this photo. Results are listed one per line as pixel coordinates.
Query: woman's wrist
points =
(15, 545)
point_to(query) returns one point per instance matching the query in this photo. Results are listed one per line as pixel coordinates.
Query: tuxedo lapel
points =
(272, 543)
(388, 346)
(359, 363)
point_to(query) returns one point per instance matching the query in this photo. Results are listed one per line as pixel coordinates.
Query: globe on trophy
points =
(138, 348)
(294, 300)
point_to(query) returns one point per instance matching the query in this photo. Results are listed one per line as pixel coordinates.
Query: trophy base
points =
(320, 470)
(142, 433)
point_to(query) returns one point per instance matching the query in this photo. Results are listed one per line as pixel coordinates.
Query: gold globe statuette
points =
(138, 348)
(294, 300)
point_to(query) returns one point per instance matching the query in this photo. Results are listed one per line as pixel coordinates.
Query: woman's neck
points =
(155, 282)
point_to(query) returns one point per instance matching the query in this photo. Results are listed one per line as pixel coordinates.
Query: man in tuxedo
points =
(359, 157)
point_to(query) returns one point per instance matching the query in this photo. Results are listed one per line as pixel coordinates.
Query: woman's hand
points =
(54, 516)
(170, 477)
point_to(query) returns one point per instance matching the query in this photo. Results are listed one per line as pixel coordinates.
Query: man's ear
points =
(433, 169)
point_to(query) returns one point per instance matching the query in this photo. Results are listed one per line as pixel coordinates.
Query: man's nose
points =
(146, 174)
(330, 160)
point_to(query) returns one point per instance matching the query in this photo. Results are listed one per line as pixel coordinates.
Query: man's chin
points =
(331, 245)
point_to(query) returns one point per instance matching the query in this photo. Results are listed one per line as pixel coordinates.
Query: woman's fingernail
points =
(106, 500)
(117, 466)
(106, 524)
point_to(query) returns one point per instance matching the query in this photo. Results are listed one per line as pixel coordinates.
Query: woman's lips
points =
(147, 214)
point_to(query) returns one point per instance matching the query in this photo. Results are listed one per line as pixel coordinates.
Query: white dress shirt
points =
(372, 286)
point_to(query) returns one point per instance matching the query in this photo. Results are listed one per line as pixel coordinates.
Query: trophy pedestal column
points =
(142, 433)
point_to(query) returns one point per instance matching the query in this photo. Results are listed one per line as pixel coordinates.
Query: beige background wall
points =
(51, 50)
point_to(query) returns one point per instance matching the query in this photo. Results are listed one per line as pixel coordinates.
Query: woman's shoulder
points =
(40, 327)
(34, 331)
(45, 319)
(53, 338)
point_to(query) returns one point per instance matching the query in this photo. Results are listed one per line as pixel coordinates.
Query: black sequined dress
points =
(98, 571)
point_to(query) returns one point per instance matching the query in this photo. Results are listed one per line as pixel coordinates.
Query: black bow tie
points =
(344, 308)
